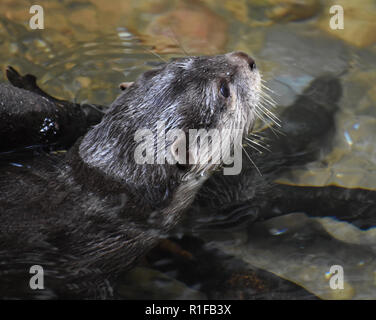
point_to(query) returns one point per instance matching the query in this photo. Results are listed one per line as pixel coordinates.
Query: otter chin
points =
(89, 215)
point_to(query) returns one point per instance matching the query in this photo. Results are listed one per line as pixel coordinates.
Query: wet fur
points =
(92, 213)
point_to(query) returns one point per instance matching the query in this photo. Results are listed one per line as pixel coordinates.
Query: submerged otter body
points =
(29, 117)
(86, 216)
(84, 221)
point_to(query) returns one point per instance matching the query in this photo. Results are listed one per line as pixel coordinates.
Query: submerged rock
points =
(145, 283)
(219, 275)
(302, 250)
(189, 26)
(359, 22)
(293, 10)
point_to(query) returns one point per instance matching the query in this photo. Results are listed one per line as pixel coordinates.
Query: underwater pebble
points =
(142, 282)
(293, 10)
(195, 28)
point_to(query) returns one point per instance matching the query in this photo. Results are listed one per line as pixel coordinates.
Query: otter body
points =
(92, 213)
(76, 225)
(30, 117)
(88, 215)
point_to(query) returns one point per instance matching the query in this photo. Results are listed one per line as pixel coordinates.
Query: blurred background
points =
(88, 47)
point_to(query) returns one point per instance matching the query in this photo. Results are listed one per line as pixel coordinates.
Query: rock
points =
(112, 15)
(15, 10)
(298, 55)
(302, 250)
(238, 8)
(221, 276)
(84, 17)
(268, 12)
(299, 51)
(144, 283)
(84, 81)
(293, 10)
(193, 27)
(359, 22)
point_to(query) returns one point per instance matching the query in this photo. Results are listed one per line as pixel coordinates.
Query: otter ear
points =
(181, 153)
(125, 85)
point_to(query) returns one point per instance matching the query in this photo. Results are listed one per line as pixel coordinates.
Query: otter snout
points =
(240, 58)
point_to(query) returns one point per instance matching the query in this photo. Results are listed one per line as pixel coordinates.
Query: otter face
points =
(195, 103)
(203, 93)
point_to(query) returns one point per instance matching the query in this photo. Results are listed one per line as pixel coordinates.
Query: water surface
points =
(88, 47)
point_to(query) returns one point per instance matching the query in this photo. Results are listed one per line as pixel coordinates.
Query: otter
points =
(306, 132)
(92, 213)
(29, 117)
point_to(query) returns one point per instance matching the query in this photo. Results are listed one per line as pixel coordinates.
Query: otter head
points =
(153, 135)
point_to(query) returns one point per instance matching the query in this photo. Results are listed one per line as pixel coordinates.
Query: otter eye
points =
(224, 89)
(252, 65)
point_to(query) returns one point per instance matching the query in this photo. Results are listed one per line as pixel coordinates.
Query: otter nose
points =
(239, 56)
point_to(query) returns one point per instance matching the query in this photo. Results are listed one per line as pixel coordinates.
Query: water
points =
(89, 47)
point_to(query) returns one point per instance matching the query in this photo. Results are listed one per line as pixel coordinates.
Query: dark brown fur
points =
(89, 215)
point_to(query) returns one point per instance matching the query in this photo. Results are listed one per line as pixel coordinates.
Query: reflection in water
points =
(89, 47)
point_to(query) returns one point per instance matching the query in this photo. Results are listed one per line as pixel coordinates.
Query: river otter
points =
(223, 201)
(29, 117)
(88, 215)
(306, 132)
